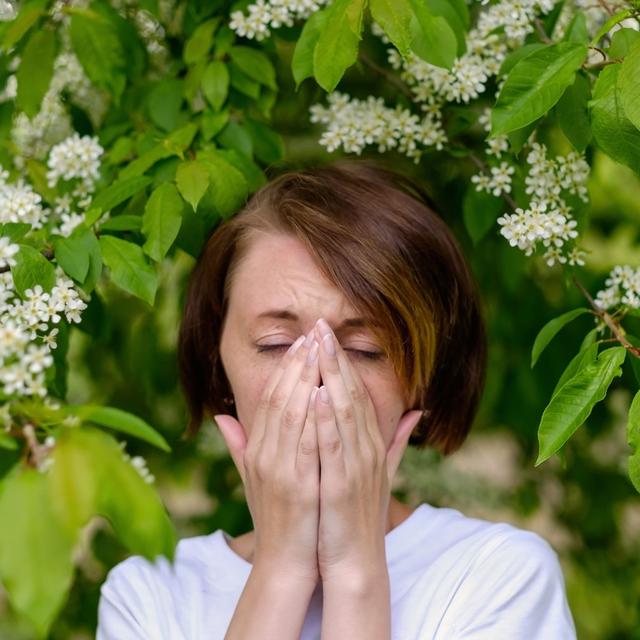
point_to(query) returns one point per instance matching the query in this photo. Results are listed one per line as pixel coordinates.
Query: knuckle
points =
(308, 447)
(332, 446)
(357, 394)
(277, 400)
(290, 418)
(345, 414)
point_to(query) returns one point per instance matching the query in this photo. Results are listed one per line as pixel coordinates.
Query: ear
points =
(235, 437)
(398, 444)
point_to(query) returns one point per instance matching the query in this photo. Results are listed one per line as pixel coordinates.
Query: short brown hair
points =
(376, 237)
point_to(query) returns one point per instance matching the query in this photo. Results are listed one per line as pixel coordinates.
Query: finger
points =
(347, 417)
(279, 415)
(234, 435)
(307, 458)
(330, 444)
(295, 412)
(260, 419)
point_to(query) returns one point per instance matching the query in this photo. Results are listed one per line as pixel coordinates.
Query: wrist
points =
(284, 578)
(360, 581)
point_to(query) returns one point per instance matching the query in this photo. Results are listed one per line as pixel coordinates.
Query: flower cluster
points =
(75, 157)
(264, 16)
(622, 287)
(20, 203)
(25, 354)
(34, 137)
(353, 123)
(138, 463)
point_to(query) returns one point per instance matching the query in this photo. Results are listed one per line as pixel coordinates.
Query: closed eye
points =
(370, 355)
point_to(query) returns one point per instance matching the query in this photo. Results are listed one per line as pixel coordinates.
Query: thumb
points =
(398, 445)
(235, 437)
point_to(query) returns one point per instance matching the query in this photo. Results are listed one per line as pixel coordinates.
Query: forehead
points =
(278, 272)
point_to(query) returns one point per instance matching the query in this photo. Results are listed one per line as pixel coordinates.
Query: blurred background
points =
(581, 500)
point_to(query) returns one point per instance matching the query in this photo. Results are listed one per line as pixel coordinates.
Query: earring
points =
(228, 400)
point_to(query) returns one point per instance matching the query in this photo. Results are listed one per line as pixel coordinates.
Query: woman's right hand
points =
(280, 466)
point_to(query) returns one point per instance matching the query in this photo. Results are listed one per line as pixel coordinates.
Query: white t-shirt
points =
(451, 578)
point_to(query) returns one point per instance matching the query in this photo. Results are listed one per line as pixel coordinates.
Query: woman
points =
(329, 325)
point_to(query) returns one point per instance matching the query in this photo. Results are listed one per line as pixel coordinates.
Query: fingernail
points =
(324, 396)
(314, 392)
(313, 353)
(309, 339)
(294, 347)
(329, 347)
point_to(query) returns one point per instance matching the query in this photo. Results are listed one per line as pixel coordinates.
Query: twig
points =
(484, 166)
(47, 253)
(616, 329)
(606, 7)
(389, 77)
(541, 32)
(38, 451)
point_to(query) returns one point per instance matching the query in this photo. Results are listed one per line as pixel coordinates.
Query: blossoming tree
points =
(131, 128)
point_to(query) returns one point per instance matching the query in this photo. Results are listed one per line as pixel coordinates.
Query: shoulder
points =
(138, 595)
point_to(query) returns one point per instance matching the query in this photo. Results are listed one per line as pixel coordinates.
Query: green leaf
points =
(586, 355)
(192, 179)
(612, 130)
(577, 30)
(338, 42)
(36, 565)
(119, 420)
(606, 27)
(456, 19)
(26, 18)
(574, 401)
(199, 44)
(212, 123)
(255, 64)
(633, 439)
(573, 114)
(32, 268)
(268, 145)
(236, 136)
(252, 172)
(215, 84)
(14, 230)
(161, 220)
(239, 80)
(129, 268)
(550, 329)
(73, 479)
(514, 57)
(118, 192)
(621, 42)
(96, 43)
(302, 61)
(164, 103)
(121, 492)
(480, 212)
(123, 222)
(228, 186)
(7, 442)
(394, 16)
(433, 39)
(35, 71)
(629, 84)
(124, 492)
(73, 252)
(535, 84)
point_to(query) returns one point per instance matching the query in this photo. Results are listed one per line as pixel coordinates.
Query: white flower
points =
(75, 157)
(622, 287)
(7, 250)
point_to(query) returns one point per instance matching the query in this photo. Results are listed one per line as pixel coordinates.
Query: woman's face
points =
(278, 274)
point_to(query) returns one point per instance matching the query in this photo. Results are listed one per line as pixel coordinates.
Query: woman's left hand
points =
(356, 468)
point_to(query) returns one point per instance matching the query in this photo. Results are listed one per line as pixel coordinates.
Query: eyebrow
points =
(285, 314)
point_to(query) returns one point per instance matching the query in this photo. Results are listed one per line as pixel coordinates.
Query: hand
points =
(279, 465)
(356, 469)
